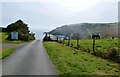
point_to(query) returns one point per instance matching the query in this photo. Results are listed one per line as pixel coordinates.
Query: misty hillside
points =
(85, 30)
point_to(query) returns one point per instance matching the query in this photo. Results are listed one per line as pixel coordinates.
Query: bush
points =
(25, 38)
(31, 37)
(104, 55)
(112, 53)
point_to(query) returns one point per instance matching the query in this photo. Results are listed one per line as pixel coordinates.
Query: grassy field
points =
(6, 52)
(103, 45)
(69, 62)
(4, 35)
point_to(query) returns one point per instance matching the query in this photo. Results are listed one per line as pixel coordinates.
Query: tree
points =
(22, 29)
(18, 26)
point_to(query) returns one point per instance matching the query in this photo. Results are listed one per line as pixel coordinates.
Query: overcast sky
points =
(49, 14)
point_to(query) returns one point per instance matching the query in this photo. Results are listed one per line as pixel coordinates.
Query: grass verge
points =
(6, 52)
(69, 62)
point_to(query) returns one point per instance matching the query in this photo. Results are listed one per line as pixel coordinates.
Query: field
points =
(69, 62)
(103, 44)
(104, 48)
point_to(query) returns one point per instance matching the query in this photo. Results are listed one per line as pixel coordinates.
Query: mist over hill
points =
(85, 30)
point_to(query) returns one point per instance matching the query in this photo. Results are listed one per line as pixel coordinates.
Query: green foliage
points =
(18, 26)
(70, 62)
(31, 37)
(22, 29)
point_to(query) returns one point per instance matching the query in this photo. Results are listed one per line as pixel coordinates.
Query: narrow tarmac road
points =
(30, 59)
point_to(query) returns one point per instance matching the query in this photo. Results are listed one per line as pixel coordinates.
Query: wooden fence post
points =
(94, 37)
(94, 45)
(77, 43)
(57, 38)
(68, 41)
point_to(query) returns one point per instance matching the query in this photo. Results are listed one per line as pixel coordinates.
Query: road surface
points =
(30, 59)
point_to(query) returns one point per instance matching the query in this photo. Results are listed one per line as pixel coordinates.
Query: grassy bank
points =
(103, 45)
(70, 62)
(6, 52)
(104, 48)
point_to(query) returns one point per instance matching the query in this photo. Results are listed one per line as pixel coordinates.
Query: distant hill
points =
(85, 30)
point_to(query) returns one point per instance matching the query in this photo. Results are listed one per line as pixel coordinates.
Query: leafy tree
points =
(18, 26)
(22, 29)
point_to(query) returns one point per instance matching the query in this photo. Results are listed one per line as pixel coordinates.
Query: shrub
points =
(104, 56)
(112, 53)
